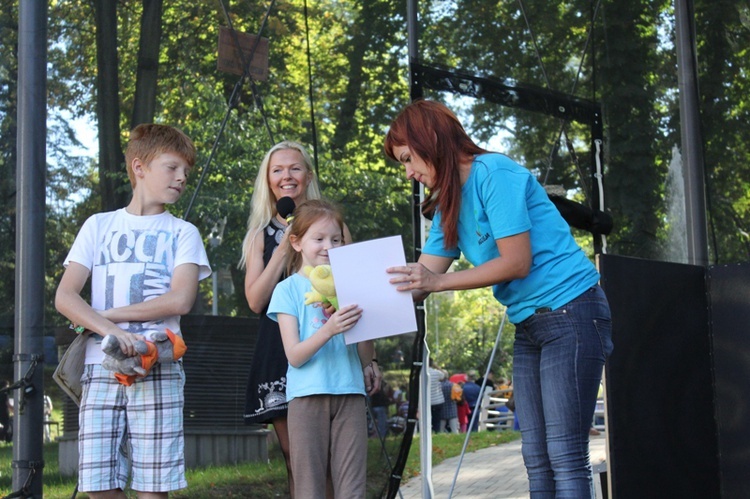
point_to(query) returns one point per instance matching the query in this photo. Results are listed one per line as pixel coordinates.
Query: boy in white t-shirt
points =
(144, 265)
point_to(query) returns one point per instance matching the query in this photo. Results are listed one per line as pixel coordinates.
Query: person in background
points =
(398, 358)
(436, 395)
(504, 386)
(463, 411)
(495, 212)
(399, 395)
(449, 412)
(380, 402)
(471, 395)
(490, 384)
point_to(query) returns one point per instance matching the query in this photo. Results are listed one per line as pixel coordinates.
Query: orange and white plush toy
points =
(163, 346)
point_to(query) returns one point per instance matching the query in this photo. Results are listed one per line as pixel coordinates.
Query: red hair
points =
(148, 140)
(433, 132)
(305, 215)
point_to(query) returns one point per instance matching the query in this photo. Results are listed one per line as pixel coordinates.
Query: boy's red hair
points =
(149, 140)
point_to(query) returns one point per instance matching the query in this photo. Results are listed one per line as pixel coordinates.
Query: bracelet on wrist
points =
(374, 360)
(77, 329)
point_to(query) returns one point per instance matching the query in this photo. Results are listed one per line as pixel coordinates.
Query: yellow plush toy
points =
(323, 290)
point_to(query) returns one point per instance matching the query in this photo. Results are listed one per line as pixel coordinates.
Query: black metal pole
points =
(30, 217)
(418, 351)
(412, 28)
(419, 364)
(690, 131)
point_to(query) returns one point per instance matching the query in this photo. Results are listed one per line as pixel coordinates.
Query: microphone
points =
(285, 207)
(581, 216)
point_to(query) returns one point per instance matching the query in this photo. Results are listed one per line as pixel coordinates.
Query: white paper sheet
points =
(360, 277)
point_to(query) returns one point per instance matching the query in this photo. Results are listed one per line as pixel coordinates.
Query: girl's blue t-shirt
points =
(335, 369)
(501, 199)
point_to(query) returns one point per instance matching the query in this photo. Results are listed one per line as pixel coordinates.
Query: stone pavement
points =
(492, 473)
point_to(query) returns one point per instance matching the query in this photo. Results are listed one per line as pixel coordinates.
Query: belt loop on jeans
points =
(542, 310)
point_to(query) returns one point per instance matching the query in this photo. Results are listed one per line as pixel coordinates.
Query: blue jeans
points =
(558, 358)
(380, 413)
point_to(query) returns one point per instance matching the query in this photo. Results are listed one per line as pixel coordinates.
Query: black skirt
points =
(265, 399)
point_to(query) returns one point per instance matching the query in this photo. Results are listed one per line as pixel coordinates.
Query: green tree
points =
(8, 128)
(161, 66)
(724, 38)
(166, 71)
(631, 99)
(111, 157)
(462, 327)
(68, 172)
(147, 73)
(629, 66)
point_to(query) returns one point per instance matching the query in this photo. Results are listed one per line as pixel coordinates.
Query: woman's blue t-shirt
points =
(335, 369)
(501, 199)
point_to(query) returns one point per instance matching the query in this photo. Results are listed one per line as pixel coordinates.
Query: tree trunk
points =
(148, 63)
(360, 43)
(629, 99)
(111, 161)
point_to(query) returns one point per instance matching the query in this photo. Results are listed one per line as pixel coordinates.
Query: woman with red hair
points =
(496, 213)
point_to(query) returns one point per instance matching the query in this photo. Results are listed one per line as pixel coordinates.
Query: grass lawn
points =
(256, 480)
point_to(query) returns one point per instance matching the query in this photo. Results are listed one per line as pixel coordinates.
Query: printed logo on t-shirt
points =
(139, 246)
(481, 238)
(317, 322)
(138, 268)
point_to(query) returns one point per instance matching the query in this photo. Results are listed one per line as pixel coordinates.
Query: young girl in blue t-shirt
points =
(325, 386)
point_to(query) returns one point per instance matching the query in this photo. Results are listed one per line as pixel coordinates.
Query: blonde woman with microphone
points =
(285, 179)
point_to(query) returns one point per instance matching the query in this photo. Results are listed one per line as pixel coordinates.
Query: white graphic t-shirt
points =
(132, 259)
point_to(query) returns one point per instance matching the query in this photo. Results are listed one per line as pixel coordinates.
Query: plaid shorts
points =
(137, 428)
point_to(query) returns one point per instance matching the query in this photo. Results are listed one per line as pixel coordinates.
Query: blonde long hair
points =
(263, 202)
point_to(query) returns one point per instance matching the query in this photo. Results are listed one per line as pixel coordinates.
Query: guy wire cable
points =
(313, 128)
(257, 100)
(568, 143)
(232, 103)
(475, 413)
(547, 82)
